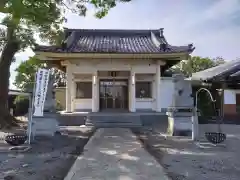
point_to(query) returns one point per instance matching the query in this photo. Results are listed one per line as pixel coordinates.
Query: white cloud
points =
(222, 8)
(225, 43)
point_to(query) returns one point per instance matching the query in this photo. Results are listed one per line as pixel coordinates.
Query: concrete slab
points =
(115, 154)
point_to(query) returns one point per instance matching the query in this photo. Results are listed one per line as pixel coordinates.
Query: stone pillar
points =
(181, 116)
(69, 89)
(195, 127)
(132, 90)
(94, 93)
(158, 87)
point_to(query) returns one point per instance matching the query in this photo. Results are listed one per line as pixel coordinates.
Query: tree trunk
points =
(9, 50)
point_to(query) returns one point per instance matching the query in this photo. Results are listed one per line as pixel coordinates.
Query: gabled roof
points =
(228, 70)
(115, 41)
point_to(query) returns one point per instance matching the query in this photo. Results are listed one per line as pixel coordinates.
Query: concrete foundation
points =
(108, 119)
(179, 124)
(44, 126)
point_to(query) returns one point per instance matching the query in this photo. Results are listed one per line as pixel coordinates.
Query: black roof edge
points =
(116, 30)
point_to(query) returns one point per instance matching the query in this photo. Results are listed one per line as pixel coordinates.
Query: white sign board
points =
(229, 97)
(40, 91)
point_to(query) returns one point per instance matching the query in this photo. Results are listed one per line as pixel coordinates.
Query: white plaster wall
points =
(144, 69)
(230, 96)
(166, 92)
(144, 103)
(82, 104)
(91, 66)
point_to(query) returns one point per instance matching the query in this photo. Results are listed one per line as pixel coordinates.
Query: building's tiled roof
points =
(115, 41)
(223, 71)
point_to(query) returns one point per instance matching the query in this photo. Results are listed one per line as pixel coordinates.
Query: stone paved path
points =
(115, 154)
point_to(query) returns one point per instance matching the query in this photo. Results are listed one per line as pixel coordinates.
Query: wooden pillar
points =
(95, 93)
(158, 87)
(69, 84)
(132, 92)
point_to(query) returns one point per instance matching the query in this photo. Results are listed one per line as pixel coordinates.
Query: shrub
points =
(21, 105)
(58, 106)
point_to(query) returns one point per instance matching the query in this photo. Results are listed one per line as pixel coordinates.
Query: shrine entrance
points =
(113, 94)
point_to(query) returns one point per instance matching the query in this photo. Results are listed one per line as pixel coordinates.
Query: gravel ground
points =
(49, 158)
(183, 159)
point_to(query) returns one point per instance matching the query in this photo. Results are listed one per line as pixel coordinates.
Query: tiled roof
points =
(115, 41)
(228, 69)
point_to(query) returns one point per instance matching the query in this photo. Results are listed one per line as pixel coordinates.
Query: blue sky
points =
(213, 26)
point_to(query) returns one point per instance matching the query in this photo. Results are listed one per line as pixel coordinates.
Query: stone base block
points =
(44, 126)
(179, 126)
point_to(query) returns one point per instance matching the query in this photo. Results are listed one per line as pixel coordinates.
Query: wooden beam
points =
(56, 55)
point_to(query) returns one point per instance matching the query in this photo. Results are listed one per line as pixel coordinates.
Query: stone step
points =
(77, 120)
(114, 121)
(129, 118)
(68, 120)
(114, 125)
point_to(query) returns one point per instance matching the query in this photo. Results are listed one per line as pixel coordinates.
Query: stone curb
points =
(166, 177)
(89, 144)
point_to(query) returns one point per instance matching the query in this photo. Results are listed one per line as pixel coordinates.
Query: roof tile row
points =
(114, 41)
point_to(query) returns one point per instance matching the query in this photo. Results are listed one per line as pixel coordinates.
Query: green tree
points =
(26, 18)
(195, 64)
(26, 71)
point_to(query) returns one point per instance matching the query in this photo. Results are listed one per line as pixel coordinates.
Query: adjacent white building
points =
(115, 70)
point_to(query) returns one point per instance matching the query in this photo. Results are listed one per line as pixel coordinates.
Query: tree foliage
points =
(26, 71)
(21, 105)
(24, 19)
(196, 64)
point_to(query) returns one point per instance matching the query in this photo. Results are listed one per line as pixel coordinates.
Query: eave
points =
(56, 59)
(64, 56)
